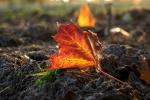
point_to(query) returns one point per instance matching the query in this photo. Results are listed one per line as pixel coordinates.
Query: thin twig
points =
(4, 89)
(110, 76)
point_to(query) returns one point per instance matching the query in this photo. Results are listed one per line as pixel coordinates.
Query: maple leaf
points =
(145, 71)
(77, 49)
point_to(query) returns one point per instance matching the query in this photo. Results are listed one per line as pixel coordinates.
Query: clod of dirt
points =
(9, 40)
(37, 32)
(38, 55)
(70, 87)
(33, 47)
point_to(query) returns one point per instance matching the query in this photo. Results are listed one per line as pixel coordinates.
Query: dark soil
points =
(25, 45)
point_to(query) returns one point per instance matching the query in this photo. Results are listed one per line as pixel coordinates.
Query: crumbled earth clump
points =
(121, 61)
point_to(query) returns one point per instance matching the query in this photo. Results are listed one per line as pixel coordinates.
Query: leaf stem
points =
(110, 76)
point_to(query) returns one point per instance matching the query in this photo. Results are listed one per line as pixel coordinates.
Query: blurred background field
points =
(17, 16)
(62, 7)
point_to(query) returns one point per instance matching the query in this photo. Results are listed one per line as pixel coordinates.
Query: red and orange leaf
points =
(75, 50)
(85, 18)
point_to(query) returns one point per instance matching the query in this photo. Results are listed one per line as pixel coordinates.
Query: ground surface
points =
(25, 44)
